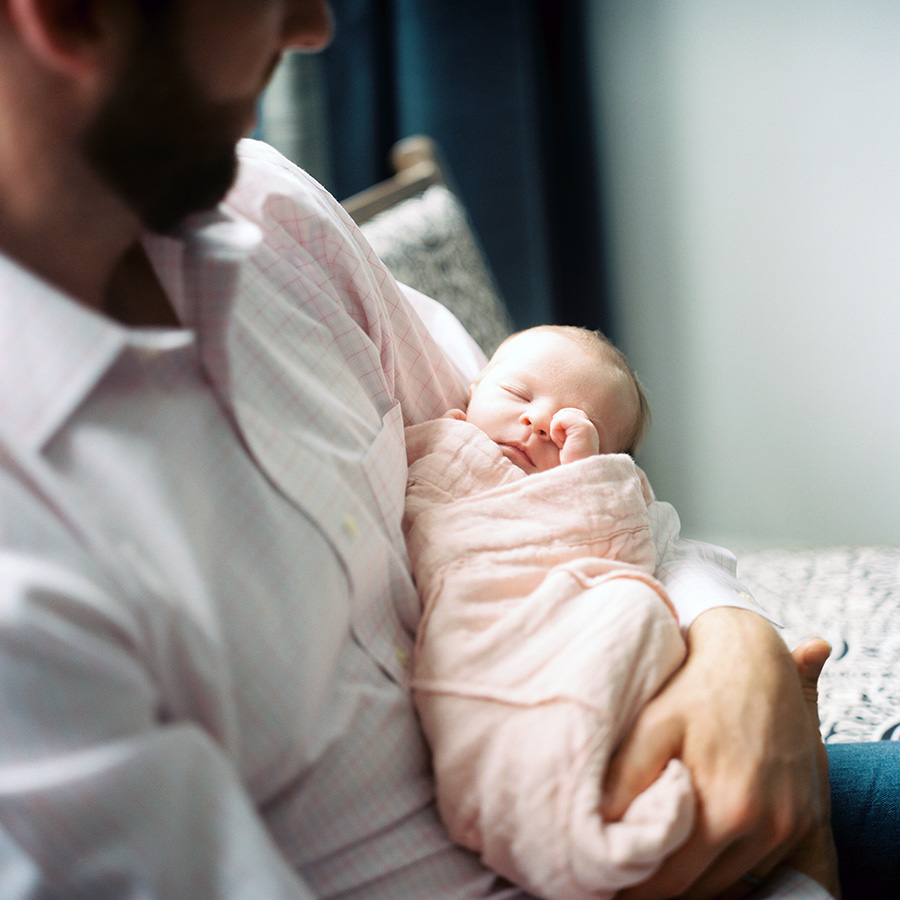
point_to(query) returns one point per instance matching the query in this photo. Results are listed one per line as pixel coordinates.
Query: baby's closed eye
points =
(518, 391)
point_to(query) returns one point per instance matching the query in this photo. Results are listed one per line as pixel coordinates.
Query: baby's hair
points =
(597, 342)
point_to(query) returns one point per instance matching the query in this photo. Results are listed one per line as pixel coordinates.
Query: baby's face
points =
(531, 378)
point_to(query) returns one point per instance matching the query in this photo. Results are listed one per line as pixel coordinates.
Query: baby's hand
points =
(575, 435)
(454, 414)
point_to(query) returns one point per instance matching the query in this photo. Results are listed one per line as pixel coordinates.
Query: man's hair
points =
(598, 343)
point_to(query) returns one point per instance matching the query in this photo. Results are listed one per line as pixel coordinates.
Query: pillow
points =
(427, 243)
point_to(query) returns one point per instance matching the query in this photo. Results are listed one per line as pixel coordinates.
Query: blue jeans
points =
(865, 818)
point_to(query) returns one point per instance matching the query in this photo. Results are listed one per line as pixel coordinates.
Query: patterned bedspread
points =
(850, 597)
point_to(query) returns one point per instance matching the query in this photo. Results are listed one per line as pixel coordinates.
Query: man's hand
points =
(735, 714)
(575, 435)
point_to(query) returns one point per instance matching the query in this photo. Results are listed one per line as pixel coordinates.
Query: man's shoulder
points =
(264, 173)
(281, 198)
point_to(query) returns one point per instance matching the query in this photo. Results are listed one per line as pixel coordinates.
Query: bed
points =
(848, 595)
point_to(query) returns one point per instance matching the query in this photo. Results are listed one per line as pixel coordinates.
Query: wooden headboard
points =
(416, 161)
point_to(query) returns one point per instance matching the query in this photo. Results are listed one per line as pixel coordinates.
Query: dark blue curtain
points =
(504, 87)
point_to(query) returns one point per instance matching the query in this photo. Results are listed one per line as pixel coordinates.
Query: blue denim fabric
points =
(865, 794)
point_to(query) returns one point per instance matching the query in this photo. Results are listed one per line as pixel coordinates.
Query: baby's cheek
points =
(550, 459)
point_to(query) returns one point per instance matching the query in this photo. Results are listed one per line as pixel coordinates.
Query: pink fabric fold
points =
(543, 634)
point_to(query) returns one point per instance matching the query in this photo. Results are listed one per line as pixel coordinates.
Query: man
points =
(205, 608)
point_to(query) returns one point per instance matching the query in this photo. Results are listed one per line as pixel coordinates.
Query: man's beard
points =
(159, 144)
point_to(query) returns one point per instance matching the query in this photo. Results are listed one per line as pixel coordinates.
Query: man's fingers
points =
(810, 657)
(736, 872)
(722, 861)
(741, 729)
(637, 763)
(673, 877)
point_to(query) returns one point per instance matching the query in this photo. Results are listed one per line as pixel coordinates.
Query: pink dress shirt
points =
(206, 609)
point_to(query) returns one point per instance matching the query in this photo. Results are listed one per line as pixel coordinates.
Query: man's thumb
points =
(810, 657)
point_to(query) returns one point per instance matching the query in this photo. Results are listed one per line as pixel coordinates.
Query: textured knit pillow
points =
(428, 243)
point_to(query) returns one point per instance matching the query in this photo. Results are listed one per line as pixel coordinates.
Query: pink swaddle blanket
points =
(543, 633)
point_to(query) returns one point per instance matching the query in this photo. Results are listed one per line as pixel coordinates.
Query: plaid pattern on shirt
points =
(205, 604)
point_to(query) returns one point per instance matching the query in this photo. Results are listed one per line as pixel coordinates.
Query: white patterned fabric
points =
(851, 597)
(427, 243)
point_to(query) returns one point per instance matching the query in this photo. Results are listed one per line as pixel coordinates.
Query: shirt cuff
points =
(696, 585)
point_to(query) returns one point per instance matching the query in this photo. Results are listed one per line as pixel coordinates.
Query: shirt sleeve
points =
(97, 794)
(429, 348)
(465, 355)
(698, 576)
(305, 221)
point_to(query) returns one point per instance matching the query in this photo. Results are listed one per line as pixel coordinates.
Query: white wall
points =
(753, 173)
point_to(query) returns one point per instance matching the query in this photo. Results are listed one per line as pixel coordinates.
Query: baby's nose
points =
(538, 420)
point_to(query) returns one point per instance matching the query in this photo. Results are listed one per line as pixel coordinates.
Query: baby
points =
(543, 630)
(557, 394)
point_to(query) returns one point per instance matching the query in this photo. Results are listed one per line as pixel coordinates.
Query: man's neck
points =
(97, 260)
(67, 231)
(134, 295)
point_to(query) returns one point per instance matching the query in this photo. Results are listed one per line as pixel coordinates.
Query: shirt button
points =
(350, 525)
(402, 656)
(747, 598)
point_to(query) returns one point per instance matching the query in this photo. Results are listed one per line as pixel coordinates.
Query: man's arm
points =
(735, 715)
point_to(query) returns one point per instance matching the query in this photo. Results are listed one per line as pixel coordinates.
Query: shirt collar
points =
(200, 260)
(54, 350)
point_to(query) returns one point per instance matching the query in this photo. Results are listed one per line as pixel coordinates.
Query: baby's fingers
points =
(575, 435)
(562, 421)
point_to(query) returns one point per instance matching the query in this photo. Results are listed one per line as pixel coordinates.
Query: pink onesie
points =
(543, 633)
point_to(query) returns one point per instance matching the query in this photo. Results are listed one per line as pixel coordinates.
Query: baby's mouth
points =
(517, 454)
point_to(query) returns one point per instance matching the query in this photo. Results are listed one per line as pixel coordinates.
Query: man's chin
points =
(186, 195)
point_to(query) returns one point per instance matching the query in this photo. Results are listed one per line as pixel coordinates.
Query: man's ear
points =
(65, 35)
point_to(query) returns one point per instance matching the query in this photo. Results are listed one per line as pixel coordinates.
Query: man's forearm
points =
(735, 714)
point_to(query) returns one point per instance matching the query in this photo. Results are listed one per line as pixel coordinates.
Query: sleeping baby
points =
(543, 630)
